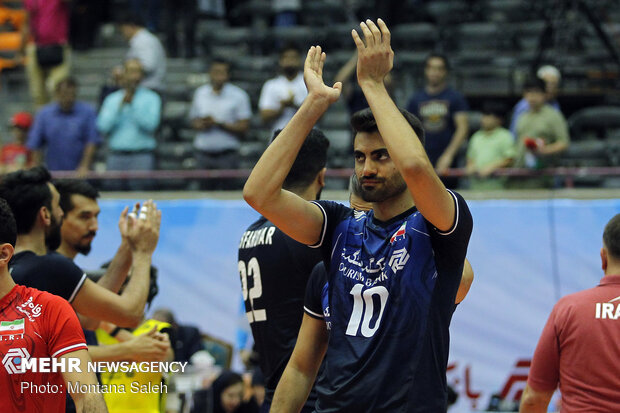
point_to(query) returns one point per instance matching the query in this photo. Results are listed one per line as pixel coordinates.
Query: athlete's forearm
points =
(118, 269)
(265, 182)
(400, 140)
(112, 352)
(91, 403)
(292, 391)
(135, 294)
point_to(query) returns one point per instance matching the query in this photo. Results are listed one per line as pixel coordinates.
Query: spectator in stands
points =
(220, 113)
(66, 130)
(15, 155)
(282, 95)
(443, 112)
(228, 396)
(130, 117)
(48, 56)
(148, 11)
(86, 17)
(112, 84)
(146, 47)
(542, 132)
(490, 148)
(186, 13)
(187, 339)
(551, 76)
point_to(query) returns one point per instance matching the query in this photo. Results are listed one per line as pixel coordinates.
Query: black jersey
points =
(51, 272)
(274, 271)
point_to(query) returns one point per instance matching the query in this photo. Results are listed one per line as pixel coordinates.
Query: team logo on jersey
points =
(398, 260)
(610, 309)
(13, 360)
(358, 215)
(30, 310)
(400, 234)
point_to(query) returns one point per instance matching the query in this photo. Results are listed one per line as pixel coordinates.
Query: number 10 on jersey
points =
(364, 309)
(252, 270)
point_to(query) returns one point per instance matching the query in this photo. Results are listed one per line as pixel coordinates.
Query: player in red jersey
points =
(38, 326)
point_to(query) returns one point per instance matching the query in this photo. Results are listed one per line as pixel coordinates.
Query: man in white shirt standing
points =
(145, 47)
(282, 95)
(220, 113)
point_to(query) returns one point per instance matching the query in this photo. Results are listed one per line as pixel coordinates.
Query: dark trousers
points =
(185, 12)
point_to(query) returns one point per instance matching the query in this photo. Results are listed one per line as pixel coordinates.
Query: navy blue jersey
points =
(387, 299)
(274, 271)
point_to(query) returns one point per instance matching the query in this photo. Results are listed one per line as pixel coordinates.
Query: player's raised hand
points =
(313, 76)
(375, 57)
(143, 231)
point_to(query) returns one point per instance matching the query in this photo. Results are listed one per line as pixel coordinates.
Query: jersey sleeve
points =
(314, 290)
(333, 214)
(544, 371)
(450, 247)
(65, 279)
(64, 333)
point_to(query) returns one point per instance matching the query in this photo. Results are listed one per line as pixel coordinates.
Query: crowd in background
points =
(66, 133)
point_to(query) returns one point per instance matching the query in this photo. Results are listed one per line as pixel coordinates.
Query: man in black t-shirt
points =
(274, 271)
(35, 203)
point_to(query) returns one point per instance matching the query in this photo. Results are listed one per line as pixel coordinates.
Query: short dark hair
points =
(311, 160)
(130, 19)
(69, 81)
(287, 47)
(364, 121)
(68, 187)
(437, 55)
(611, 237)
(534, 83)
(26, 191)
(220, 61)
(8, 227)
(495, 108)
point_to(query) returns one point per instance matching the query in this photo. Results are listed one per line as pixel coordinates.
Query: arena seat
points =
(598, 120)
(415, 36)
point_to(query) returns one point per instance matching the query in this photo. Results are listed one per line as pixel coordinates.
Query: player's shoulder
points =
(333, 206)
(33, 297)
(588, 295)
(58, 262)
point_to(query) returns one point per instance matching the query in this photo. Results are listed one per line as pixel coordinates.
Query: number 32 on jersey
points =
(252, 269)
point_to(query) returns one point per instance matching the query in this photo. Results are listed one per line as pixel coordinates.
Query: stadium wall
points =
(526, 254)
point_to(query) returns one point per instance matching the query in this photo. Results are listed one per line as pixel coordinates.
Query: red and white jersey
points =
(35, 324)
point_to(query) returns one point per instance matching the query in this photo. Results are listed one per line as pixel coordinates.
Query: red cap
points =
(22, 120)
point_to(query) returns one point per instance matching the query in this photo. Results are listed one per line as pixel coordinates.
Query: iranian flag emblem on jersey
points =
(400, 233)
(12, 327)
